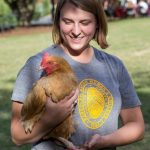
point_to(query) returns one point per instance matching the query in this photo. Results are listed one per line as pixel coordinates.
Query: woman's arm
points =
(132, 130)
(54, 114)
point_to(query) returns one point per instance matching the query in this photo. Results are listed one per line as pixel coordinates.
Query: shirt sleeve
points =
(26, 77)
(127, 90)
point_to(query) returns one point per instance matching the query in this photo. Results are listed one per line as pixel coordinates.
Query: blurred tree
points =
(7, 19)
(23, 9)
(42, 8)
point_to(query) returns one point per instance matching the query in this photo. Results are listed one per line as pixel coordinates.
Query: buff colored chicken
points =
(59, 81)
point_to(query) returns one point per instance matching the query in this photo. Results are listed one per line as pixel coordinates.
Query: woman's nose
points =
(76, 31)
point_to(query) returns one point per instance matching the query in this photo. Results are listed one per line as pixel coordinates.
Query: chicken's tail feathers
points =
(33, 107)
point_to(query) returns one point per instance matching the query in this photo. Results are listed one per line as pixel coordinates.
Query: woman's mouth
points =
(76, 39)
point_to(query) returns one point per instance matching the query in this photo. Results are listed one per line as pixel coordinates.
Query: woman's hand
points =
(56, 112)
(95, 142)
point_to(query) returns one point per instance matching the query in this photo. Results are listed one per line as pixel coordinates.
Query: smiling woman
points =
(105, 87)
(94, 12)
(76, 31)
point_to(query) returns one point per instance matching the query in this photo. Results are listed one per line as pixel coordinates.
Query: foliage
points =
(23, 9)
(128, 39)
(46, 5)
(42, 8)
(4, 8)
(7, 19)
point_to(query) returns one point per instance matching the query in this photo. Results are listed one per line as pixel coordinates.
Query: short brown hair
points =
(92, 6)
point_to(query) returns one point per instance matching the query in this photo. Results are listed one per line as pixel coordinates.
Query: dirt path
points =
(25, 31)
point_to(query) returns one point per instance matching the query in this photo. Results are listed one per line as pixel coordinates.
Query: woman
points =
(105, 88)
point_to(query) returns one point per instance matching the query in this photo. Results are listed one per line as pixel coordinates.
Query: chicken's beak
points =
(40, 68)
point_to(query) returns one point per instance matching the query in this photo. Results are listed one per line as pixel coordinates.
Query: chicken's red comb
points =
(44, 58)
(46, 54)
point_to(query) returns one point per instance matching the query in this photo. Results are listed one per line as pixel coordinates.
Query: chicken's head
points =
(49, 63)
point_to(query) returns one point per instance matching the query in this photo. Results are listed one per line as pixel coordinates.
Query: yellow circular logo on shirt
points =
(95, 103)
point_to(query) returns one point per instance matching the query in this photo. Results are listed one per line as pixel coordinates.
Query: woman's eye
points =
(67, 22)
(85, 23)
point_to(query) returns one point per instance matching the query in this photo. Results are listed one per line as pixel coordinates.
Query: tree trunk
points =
(53, 4)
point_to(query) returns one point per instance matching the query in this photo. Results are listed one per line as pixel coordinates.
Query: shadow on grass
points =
(5, 119)
(11, 81)
(142, 79)
(143, 90)
(145, 99)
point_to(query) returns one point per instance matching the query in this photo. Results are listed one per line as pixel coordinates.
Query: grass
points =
(129, 40)
(14, 50)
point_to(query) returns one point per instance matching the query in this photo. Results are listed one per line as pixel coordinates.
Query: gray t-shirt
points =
(105, 88)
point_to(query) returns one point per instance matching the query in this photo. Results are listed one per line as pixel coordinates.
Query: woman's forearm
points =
(19, 137)
(18, 134)
(129, 133)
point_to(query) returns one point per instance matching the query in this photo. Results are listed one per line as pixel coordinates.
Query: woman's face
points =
(77, 27)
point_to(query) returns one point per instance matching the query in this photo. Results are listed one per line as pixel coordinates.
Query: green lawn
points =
(129, 39)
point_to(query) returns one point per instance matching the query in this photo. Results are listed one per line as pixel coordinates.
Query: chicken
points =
(59, 81)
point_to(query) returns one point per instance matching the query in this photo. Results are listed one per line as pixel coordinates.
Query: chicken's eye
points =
(50, 63)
